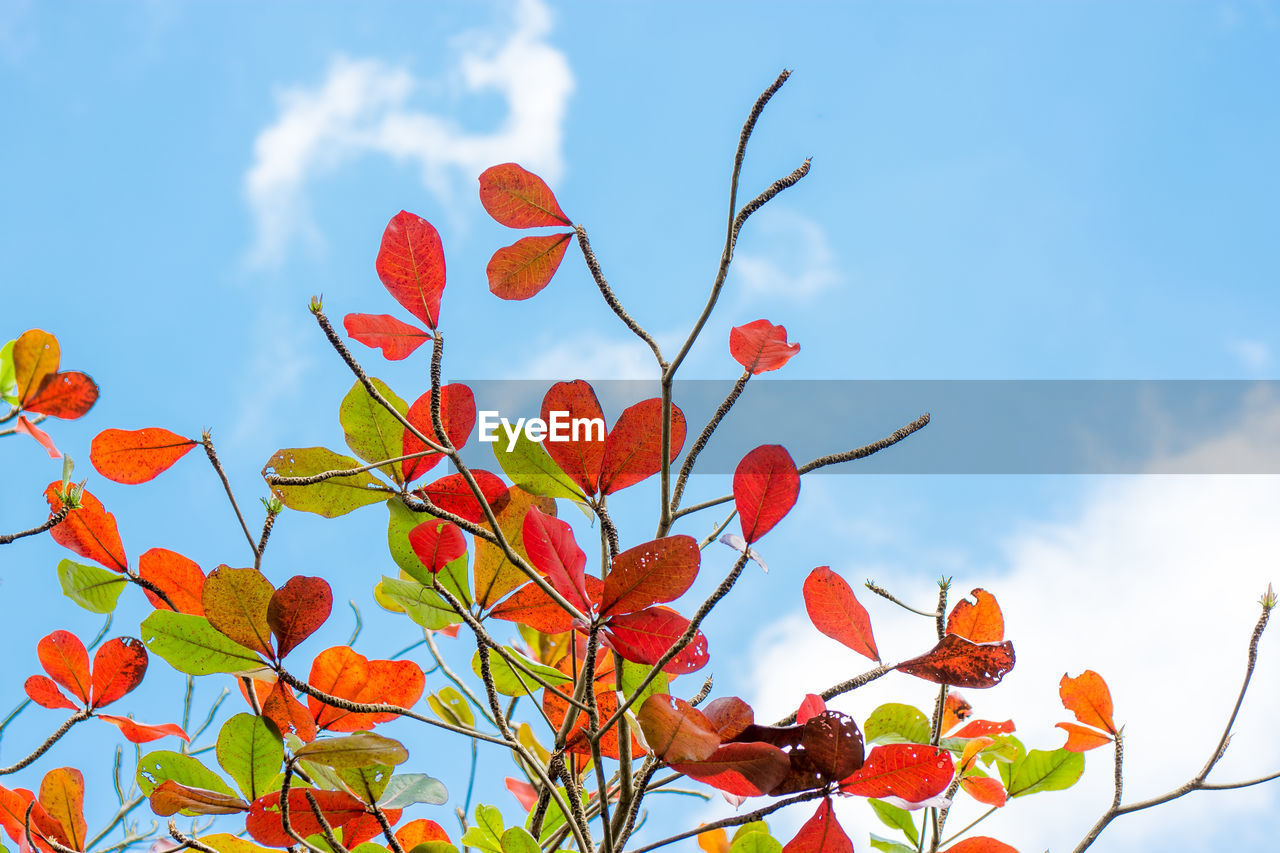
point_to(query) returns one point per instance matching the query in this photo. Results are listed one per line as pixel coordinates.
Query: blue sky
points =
(1080, 190)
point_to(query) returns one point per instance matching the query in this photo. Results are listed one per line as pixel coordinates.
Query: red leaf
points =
(960, 663)
(289, 715)
(517, 198)
(179, 577)
(980, 728)
(552, 550)
(645, 636)
(395, 338)
(263, 821)
(810, 707)
(136, 732)
(633, 448)
(836, 612)
(530, 606)
(63, 656)
(65, 395)
(730, 715)
(437, 543)
(1088, 698)
(1083, 738)
(46, 694)
(452, 494)
(13, 810)
(62, 795)
(170, 797)
(411, 266)
(653, 573)
(118, 667)
(522, 791)
(522, 269)
(821, 833)
(980, 844)
(366, 827)
(985, 790)
(742, 769)
(42, 438)
(136, 456)
(677, 731)
(760, 346)
(297, 610)
(457, 416)
(910, 771)
(982, 622)
(90, 531)
(765, 487)
(341, 672)
(581, 456)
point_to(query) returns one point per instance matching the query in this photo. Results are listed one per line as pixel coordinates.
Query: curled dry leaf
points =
(958, 662)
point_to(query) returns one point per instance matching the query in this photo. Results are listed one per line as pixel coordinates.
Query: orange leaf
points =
(955, 710)
(1082, 738)
(982, 622)
(136, 732)
(341, 672)
(90, 531)
(35, 356)
(236, 602)
(42, 438)
(457, 416)
(743, 769)
(282, 708)
(420, 831)
(607, 704)
(911, 771)
(138, 455)
(981, 844)
(714, 841)
(524, 268)
(985, 790)
(675, 730)
(118, 667)
(65, 395)
(63, 656)
(179, 577)
(836, 612)
(517, 198)
(62, 795)
(971, 749)
(1088, 698)
(494, 574)
(396, 339)
(821, 833)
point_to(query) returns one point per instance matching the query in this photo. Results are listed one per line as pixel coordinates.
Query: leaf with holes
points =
(410, 265)
(646, 635)
(633, 448)
(909, 771)
(89, 530)
(836, 612)
(653, 573)
(136, 456)
(523, 269)
(395, 338)
(981, 622)
(765, 487)
(960, 663)
(517, 198)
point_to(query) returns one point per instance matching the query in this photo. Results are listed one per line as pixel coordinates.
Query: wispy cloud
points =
(363, 106)
(1151, 581)
(784, 254)
(1254, 355)
(591, 357)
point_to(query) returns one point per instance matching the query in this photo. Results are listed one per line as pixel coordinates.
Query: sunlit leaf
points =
(396, 339)
(742, 769)
(170, 798)
(495, 575)
(553, 551)
(297, 609)
(633, 448)
(118, 668)
(96, 590)
(457, 416)
(235, 602)
(895, 817)
(329, 498)
(408, 789)
(35, 356)
(1088, 698)
(760, 346)
(282, 708)
(646, 635)
(179, 577)
(765, 487)
(730, 715)
(250, 749)
(836, 612)
(63, 656)
(410, 265)
(960, 663)
(676, 731)
(981, 622)
(514, 681)
(437, 543)
(191, 645)
(1083, 738)
(978, 728)
(985, 790)
(372, 432)
(361, 749)
(909, 771)
(1040, 770)
(265, 826)
(136, 732)
(530, 605)
(531, 468)
(452, 493)
(44, 692)
(68, 395)
(821, 833)
(524, 268)
(607, 704)
(451, 706)
(89, 530)
(653, 573)
(341, 672)
(980, 844)
(421, 603)
(810, 707)
(62, 795)
(136, 456)
(26, 427)
(155, 768)
(574, 407)
(517, 198)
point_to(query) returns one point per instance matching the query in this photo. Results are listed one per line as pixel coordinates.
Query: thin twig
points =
(846, 686)
(77, 717)
(737, 820)
(611, 300)
(54, 520)
(692, 456)
(884, 593)
(206, 440)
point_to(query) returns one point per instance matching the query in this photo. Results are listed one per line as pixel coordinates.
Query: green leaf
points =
(518, 840)
(157, 767)
(450, 706)
(225, 842)
(94, 589)
(529, 466)
(897, 723)
(361, 749)
(434, 847)
(422, 604)
(453, 576)
(8, 377)
(371, 431)
(191, 645)
(1041, 770)
(329, 498)
(755, 842)
(896, 818)
(748, 828)
(409, 788)
(486, 833)
(510, 681)
(251, 750)
(367, 782)
(889, 845)
(634, 673)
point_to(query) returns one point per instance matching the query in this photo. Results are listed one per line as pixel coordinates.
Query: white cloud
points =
(590, 357)
(782, 253)
(363, 107)
(1151, 581)
(1253, 355)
